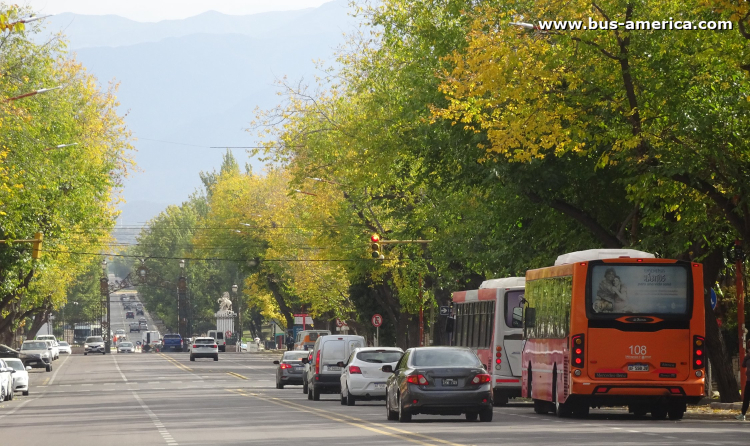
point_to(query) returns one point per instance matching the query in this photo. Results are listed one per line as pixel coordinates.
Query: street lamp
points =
(104, 282)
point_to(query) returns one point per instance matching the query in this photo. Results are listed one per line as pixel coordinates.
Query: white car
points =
(64, 347)
(362, 377)
(204, 347)
(93, 344)
(125, 347)
(20, 377)
(6, 382)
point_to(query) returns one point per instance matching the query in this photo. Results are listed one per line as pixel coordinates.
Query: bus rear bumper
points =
(613, 393)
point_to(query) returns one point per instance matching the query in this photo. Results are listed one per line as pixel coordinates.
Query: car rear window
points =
(204, 341)
(172, 336)
(334, 351)
(294, 356)
(380, 357)
(444, 357)
(219, 335)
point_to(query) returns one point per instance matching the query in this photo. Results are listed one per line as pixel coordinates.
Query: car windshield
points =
(445, 357)
(204, 341)
(380, 356)
(34, 346)
(64, 344)
(126, 344)
(94, 339)
(16, 364)
(294, 356)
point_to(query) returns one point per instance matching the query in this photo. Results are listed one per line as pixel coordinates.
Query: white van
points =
(324, 373)
(150, 338)
(219, 338)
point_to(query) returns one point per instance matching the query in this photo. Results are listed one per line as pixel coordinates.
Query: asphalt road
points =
(164, 399)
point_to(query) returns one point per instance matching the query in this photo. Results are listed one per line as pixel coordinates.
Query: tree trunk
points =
(721, 364)
(39, 320)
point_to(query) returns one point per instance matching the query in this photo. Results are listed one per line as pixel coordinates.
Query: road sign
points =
(713, 299)
(445, 310)
(228, 333)
(339, 323)
(377, 320)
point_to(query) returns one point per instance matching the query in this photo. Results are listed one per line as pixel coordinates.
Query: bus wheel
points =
(582, 411)
(500, 398)
(659, 413)
(676, 411)
(541, 407)
(638, 411)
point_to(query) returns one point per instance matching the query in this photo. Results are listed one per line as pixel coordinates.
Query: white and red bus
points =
(484, 322)
(614, 328)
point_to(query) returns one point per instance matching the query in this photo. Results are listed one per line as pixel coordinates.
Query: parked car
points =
(135, 327)
(129, 315)
(362, 376)
(7, 352)
(125, 347)
(52, 343)
(36, 354)
(65, 347)
(93, 344)
(139, 311)
(204, 347)
(6, 381)
(438, 381)
(324, 373)
(54, 351)
(291, 369)
(21, 375)
(305, 371)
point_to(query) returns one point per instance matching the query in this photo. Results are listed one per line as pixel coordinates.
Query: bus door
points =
(511, 334)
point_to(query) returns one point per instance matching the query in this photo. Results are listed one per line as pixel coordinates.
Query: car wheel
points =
(85, 353)
(304, 387)
(11, 394)
(404, 415)
(471, 416)
(103, 353)
(278, 385)
(350, 399)
(25, 393)
(485, 415)
(343, 399)
(315, 393)
(309, 394)
(192, 358)
(216, 358)
(392, 415)
(49, 367)
(2, 394)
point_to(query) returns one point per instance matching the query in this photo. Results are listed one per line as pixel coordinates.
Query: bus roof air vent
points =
(599, 254)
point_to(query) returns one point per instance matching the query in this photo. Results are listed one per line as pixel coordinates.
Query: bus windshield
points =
(640, 289)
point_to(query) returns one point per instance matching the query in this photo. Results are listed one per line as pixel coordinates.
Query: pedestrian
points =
(746, 391)
(289, 342)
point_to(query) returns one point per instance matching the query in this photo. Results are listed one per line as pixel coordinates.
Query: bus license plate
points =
(638, 368)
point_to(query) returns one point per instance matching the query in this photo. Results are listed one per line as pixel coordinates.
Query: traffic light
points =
(375, 246)
(36, 246)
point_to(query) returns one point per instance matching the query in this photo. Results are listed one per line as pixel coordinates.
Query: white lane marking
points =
(54, 375)
(157, 423)
(118, 369)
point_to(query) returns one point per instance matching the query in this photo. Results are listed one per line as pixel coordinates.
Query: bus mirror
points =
(518, 317)
(530, 317)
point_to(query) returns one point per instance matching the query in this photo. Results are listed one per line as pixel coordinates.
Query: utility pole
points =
(421, 313)
(104, 288)
(739, 286)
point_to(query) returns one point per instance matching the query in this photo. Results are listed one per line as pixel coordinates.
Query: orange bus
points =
(614, 328)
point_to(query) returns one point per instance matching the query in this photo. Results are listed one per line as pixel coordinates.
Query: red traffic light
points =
(375, 238)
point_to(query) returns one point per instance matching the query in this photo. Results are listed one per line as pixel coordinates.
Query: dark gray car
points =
(438, 381)
(291, 369)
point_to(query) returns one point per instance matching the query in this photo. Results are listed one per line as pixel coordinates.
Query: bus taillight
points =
(699, 352)
(577, 351)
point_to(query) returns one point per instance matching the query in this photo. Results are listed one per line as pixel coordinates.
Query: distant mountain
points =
(196, 82)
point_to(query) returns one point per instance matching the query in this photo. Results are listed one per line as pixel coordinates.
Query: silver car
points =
(93, 344)
(125, 347)
(36, 354)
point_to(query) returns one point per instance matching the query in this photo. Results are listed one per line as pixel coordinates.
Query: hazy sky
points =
(155, 10)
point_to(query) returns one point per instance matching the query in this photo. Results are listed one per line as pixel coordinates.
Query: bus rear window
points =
(512, 300)
(638, 289)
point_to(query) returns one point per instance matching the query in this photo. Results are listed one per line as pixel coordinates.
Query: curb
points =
(727, 406)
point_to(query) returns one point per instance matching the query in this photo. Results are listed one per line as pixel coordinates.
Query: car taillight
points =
(419, 380)
(577, 351)
(699, 352)
(353, 369)
(195, 346)
(285, 366)
(482, 378)
(317, 362)
(214, 346)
